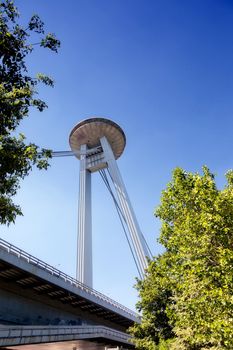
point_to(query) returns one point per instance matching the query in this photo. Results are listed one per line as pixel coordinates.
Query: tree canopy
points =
(18, 93)
(186, 298)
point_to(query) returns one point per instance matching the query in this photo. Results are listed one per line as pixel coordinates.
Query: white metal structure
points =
(98, 143)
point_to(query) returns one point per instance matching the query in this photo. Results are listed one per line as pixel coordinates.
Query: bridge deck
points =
(29, 276)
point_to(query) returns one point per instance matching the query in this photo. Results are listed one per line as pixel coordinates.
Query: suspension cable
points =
(119, 211)
(122, 220)
(121, 217)
(144, 239)
(147, 245)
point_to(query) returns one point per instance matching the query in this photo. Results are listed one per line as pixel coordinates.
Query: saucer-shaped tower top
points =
(89, 132)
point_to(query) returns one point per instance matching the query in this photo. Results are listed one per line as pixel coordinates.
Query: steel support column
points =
(84, 249)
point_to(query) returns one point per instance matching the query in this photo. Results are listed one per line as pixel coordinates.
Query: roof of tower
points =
(89, 132)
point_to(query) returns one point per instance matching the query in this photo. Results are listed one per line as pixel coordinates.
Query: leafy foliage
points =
(154, 300)
(18, 94)
(186, 297)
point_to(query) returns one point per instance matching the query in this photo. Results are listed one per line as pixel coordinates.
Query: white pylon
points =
(84, 241)
(100, 142)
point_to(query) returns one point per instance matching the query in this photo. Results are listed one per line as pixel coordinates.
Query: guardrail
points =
(21, 254)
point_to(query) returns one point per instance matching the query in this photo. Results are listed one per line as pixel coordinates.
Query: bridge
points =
(41, 305)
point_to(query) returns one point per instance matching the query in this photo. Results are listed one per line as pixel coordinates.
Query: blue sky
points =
(162, 70)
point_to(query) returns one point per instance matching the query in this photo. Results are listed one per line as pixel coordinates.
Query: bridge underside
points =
(68, 345)
(65, 338)
(42, 308)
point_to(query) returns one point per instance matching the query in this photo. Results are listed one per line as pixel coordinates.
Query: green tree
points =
(18, 93)
(189, 287)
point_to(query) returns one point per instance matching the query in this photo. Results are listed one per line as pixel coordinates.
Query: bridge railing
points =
(21, 254)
